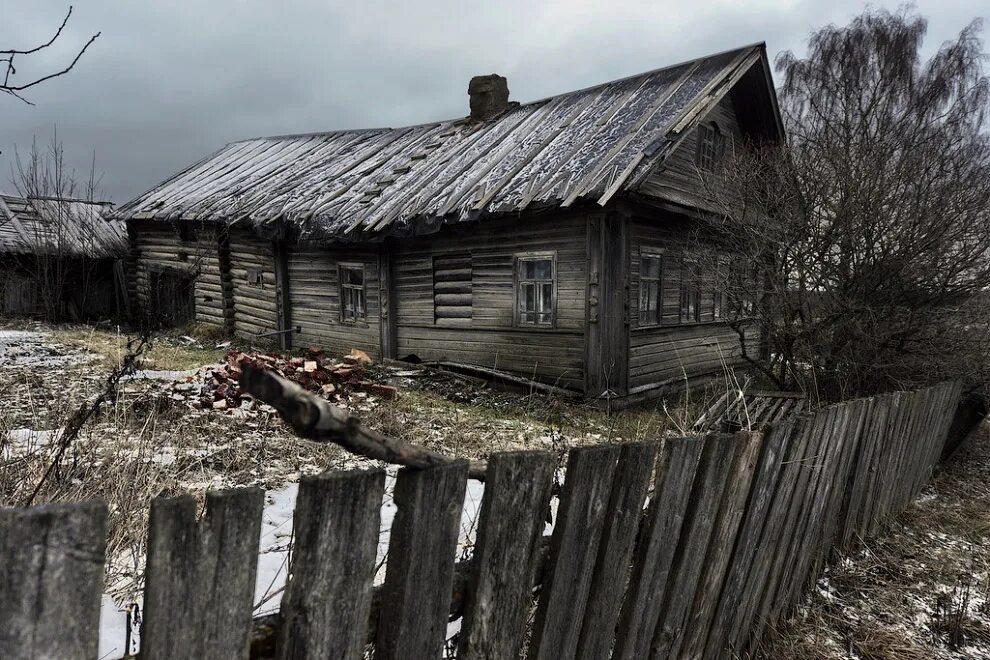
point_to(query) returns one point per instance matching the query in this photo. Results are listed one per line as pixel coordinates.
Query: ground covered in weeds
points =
(919, 591)
(180, 424)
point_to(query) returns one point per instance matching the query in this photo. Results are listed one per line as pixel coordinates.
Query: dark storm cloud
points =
(169, 82)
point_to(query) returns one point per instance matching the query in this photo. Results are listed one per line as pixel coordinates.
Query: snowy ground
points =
(920, 591)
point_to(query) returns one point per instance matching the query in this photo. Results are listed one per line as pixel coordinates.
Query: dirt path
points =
(921, 591)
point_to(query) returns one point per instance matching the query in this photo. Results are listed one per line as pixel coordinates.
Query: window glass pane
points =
(650, 267)
(543, 269)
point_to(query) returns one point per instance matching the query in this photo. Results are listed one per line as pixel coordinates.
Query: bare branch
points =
(8, 57)
(315, 419)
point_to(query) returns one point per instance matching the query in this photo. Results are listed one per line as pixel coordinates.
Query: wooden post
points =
(51, 580)
(624, 513)
(386, 301)
(283, 304)
(200, 577)
(607, 327)
(573, 552)
(675, 474)
(506, 555)
(412, 621)
(327, 600)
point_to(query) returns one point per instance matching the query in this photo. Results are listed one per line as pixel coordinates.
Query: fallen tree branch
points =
(315, 419)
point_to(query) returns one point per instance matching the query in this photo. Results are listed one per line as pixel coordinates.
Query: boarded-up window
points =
(650, 288)
(253, 277)
(352, 293)
(452, 289)
(536, 277)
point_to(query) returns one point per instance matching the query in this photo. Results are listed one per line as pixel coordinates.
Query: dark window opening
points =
(711, 146)
(650, 289)
(690, 292)
(352, 293)
(253, 277)
(535, 290)
(185, 232)
(171, 298)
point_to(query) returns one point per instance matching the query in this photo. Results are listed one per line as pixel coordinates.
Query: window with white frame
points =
(352, 293)
(536, 279)
(650, 287)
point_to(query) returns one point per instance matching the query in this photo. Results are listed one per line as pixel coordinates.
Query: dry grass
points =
(920, 590)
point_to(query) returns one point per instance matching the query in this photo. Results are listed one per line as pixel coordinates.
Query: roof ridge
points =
(545, 99)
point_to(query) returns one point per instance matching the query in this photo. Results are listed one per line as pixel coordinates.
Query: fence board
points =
(412, 621)
(699, 524)
(608, 583)
(506, 555)
(719, 553)
(327, 599)
(51, 578)
(199, 581)
(777, 443)
(573, 551)
(654, 554)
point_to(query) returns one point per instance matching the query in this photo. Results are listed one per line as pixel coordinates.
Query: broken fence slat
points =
(573, 552)
(625, 509)
(506, 555)
(412, 621)
(327, 600)
(200, 575)
(654, 554)
(51, 579)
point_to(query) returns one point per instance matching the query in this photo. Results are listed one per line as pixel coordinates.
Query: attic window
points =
(353, 306)
(711, 146)
(452, 289)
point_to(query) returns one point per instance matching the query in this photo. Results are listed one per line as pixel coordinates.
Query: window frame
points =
(517, 282)
(690, 285)
(707, 158)
(363, 288)
(649, 252)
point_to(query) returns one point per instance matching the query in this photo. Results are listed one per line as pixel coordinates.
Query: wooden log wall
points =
(483, 333)
(736, 531)
(672, 349)
(254, 300)
(314, 293)
(157, 245)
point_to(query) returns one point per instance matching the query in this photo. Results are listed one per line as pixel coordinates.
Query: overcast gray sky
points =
(170, 81)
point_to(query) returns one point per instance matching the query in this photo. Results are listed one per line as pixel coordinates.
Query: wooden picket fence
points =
(735, 529)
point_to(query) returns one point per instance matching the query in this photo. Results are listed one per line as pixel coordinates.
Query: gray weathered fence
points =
(734, 529)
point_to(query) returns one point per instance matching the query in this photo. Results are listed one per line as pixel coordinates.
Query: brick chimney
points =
(489, 96)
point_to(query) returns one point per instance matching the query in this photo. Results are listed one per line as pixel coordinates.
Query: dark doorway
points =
(172, 298)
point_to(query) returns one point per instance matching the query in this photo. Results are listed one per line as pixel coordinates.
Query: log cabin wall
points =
(455, 297)
(315, 298)
(252, 283)
(680, 341)
(156, 245)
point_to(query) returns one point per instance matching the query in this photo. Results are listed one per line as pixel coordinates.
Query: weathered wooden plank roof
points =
(584, 145)
(68, 227)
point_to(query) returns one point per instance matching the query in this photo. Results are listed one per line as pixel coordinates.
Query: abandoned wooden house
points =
(61, 258)
(547, 240)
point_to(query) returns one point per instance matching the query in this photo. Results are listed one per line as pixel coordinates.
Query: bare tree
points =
(12, 56)
(867, 236)
(67, 237)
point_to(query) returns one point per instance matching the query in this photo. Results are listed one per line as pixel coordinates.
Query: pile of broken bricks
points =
(337, 380)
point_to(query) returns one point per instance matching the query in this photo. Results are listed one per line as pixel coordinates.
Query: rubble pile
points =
(338, 381)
